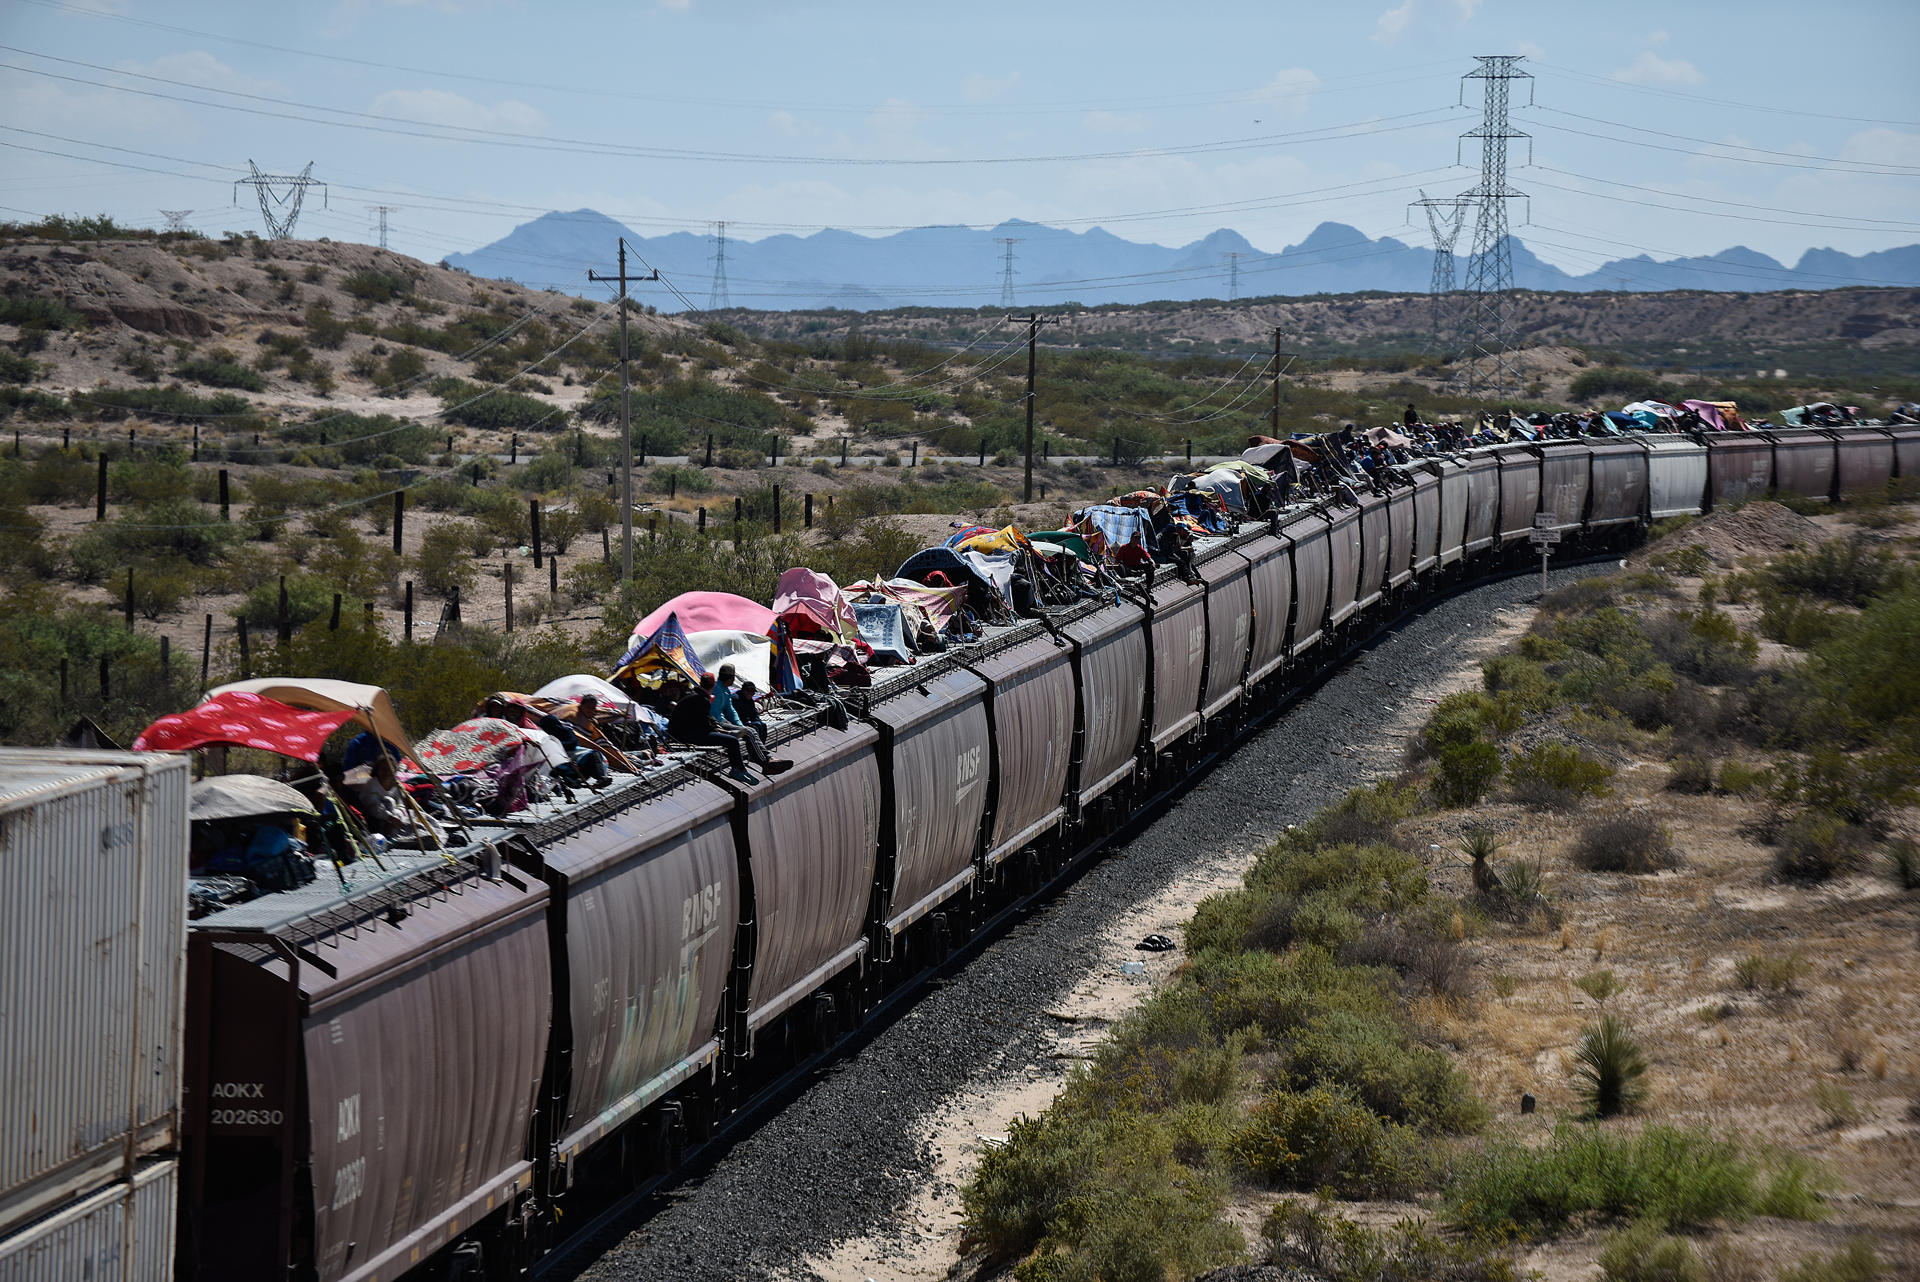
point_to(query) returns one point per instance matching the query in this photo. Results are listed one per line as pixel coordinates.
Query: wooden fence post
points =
(507, 580)
(809, 511)
(129, 598)
(333, 624)
(100, 491)
(399, 517)
(286, 614)
(224, 513)
(206, 654)
(409, 608)
(533, 508)
(246, 653)
(776, 509)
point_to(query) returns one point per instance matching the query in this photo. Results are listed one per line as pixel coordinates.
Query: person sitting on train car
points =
(588, 766)
(691, 723)
(746, 702)
(374, 791)
(728, 720)
(1412, 417)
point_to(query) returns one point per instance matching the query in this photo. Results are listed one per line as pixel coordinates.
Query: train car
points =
(1456, 505)
(1177, 652)
(934, 772)
(1229, 620)
(1739, 467)
(643, 897)
(1519, 492)
(362, 1071)
(1423, 516)
(1109, 656)
(1906, 450)
(1804, 463)
(1618, 490)
(1676, 472)
(1270, 599)
(1483, 502)
(1031, 697)
(1565, 479)
(1309, 537)
(809, 842)
(1863, 460)
(1376, 541)
(1345, 551)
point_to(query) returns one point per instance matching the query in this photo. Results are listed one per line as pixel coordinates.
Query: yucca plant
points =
(1525, 881)
(1609, 1068)
(1480, 845)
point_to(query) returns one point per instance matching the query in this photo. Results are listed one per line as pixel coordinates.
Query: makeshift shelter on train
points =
(662, 653)
(1111, 530)
(1721, 416)
(962, 532)
(613, 701)
(984, 595)
(244, 719)
(885, 628)
(489, 763)
(1009, 541)
(1056, 542)
(224, 797)
(709, 612)
(1202, 508)
(1388, 437)
(1816, 414)
(1625, 422)
(810, 603)
(371, 704)
(941, 606)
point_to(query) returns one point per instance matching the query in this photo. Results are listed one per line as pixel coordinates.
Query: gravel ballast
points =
(847, 1153)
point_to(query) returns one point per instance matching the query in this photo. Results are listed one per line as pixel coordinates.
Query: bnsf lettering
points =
(966, 772)
(698, 913)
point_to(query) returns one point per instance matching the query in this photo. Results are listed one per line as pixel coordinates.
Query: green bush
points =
(1704, 644)
(501, 411)
(1557, 774)
(1327, 1245)
(1779, 976)
(15, 368)
(324, 329)
(309, 598)
(1523, 681)
(220, 368)
(1855, 1262)
(1646, 1252)
(371, 286)
(1814, 847)
(1630, 843)
(1374, 1060)
(1692, 773)
(1322, 1138)
(1609, 1069)
(1848, 571)
(1903, 863)
(1466, 717)
(1466, 773)
(1740, 779)
(443, 564)
(1672, 1176)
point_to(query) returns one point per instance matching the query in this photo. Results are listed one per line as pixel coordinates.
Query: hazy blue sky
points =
(1775, 125)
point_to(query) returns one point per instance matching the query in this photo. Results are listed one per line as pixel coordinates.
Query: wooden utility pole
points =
(626, 412)
(1275, 412)
(1033, 322)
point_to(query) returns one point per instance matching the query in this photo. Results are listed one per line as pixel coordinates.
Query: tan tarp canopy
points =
(322, 695)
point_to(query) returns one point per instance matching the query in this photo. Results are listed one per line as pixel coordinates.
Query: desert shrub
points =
(1465, 772)
(1323, 1138)
(1599, 985)
(220, 368)
(370, 286)
(1523, 681)
(1375, 1060)
(1740, 779)
(502, 411)
(1692, 772)
(1465, 717)
(309, 598)
(1836, 1103)
(324, 329)
(1855, 1262)
(1903, 863)
(1814, 847)
(1646, 1252)
(1704, 644)
(1609, 1068)
(1327, 1245)
(1429, 962)
(1629, 843)
(1795, 620)
(1096, 1198)
(683, 478)
(1557, 774)
(443, 563)
(1664, 1174)
(1366, 816)
(1691, 560)
(1848, 571)
(15, 368)
(1776, 975)
(1861, 787)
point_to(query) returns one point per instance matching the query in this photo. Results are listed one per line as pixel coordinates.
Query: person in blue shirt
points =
(727, 717)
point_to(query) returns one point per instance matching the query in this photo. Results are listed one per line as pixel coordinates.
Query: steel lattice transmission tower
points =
(717, 296)
(176, 219)
(281, 196)
(1446, 216)
(383, 211)
(1233, 274)
(1490, 270)
(1006, 271)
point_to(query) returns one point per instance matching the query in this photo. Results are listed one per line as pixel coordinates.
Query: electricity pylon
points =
(1006, 272)
(283, 193)
(1446, 216)
(1490, 270)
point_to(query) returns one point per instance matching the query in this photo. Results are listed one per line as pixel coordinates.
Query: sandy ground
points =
(922, 1243)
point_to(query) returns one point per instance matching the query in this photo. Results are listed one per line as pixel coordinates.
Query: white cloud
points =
(1114, 122)
(1393, 23)
(1466, 9)
(1651, 69)
(1658, 37)
(1882, 147)
(980, 87)
(1289, 93)
(201, 68)
(438, 107)
(784, 122)
(1528, 49)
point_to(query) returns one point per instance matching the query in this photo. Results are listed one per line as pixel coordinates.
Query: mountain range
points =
(965, 267)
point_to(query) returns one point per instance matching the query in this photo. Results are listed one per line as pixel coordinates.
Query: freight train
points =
(425, 1074)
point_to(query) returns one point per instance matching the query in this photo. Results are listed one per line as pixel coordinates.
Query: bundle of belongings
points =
(982, 585)
(824, 630)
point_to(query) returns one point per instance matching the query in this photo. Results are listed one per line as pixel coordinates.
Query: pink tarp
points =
(941, 604)
(1709, 413)
(809, 601)
(710, 612)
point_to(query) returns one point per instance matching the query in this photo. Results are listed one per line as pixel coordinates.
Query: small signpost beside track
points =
(1544, 536)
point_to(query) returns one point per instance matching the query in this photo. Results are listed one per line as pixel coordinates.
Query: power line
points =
(383, 211)
(1775, 108)
(1821, 164)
